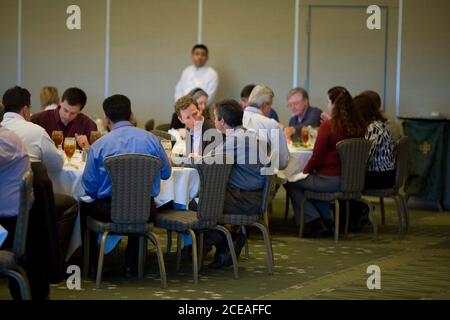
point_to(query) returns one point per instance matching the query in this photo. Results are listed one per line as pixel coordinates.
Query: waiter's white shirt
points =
(192, 77)
(38, 143)
(254, 120)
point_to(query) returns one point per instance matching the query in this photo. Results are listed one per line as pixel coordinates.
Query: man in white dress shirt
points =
(198, 75)
(38, 143)
(256, 119)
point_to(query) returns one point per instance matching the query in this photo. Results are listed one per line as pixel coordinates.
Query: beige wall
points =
(8, 44)
(53, 55)
(150, 46)
(250, 41)
(426, 58)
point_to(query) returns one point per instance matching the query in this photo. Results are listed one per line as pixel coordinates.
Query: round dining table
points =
(298, 159)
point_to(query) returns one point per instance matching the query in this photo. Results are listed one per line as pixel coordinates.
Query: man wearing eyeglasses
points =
(303, 114)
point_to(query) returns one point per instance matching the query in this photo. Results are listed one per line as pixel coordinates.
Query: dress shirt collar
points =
(13, 115)
(253, 110)
(121, 124)
(198, 127)
(57, 117)
(301, 117)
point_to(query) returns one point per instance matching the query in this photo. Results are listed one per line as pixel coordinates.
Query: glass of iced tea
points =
(305, 136)
(58, 138)
(94, 136)
(70, 145)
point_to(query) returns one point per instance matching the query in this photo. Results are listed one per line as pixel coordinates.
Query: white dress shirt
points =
(14, 162)
(254, 120)
(38, 143)
(192, 77)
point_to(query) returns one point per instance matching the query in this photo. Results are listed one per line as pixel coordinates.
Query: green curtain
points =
(426, 159)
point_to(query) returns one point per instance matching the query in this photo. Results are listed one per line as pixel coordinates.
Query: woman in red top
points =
(324, 167)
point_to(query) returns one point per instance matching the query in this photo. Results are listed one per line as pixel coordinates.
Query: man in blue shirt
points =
(303, 114)
(124, 138)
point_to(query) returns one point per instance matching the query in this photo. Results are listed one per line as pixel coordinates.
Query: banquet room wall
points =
(249, 41)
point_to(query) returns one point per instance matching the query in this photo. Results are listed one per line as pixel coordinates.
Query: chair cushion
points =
(332, 195)
(180, 221)
(239, 219)
(119, 228)
(380, 192)
(7, 260)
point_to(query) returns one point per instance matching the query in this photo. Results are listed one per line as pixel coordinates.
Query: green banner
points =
(426, 159)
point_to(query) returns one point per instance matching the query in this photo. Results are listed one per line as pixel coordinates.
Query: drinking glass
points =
(94, 136)
(70, 145)
(305, 135)
(58, 138)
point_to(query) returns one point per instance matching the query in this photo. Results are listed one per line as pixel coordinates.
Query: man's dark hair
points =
(200, 46)
(75, 97)
(117, 108)
(247, 90)
(15, 99)
(230, 111)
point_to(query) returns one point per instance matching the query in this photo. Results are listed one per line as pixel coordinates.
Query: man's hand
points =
(82, 141)
(324, 116)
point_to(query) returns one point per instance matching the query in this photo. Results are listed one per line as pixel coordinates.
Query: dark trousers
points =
(100, 210)
(237, 202)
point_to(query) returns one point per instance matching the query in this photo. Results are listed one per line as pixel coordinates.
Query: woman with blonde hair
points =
(49, 98)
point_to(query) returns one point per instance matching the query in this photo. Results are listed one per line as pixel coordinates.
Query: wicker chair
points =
(162, 135)
(163, 127)
(394, 193)
(256, 220)
(213, 182)
(132, 176)
(354, 154)
(8, 259)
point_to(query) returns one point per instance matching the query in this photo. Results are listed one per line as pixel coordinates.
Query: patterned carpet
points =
(412, 267)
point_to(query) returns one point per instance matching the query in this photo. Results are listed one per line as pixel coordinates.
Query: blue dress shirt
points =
(123, 138)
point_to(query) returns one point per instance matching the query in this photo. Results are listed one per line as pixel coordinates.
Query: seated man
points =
(124, 138)
(68, 118)
(38, 143)
(14, 162)
(188, 113)
(303, 114)
(246, 181)
(256, 119)
(245, 94)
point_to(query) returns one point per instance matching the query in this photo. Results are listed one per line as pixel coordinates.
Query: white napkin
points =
(298, 177)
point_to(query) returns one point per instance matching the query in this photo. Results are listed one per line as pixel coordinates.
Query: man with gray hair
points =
(256, 118)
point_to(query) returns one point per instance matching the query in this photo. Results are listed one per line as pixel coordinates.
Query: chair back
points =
(266, 194)
(163, 127)
(354, 154)
(132, 177)
(162, 135)
(401, 162)
(150, 125)
(213, 185)
(26, 201)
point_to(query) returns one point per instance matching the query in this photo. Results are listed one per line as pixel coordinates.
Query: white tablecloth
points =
(181, 188)
(3, 235)
(298, 159)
